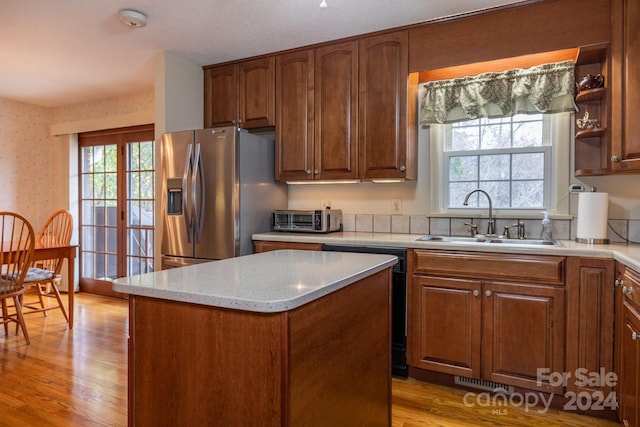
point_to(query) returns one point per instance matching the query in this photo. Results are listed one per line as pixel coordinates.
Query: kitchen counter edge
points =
(270, 282)
(628, 254)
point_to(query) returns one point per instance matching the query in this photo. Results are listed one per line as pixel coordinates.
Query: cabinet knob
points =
(487, 293)
(308, 171)
(635, 336)
(615, 159)
(618, 282)
(316, 172)
(627, 290)
(403, 168)
(476, 293)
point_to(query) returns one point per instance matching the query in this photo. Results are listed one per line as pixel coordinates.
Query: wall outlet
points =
(396, 206)
(326, 203)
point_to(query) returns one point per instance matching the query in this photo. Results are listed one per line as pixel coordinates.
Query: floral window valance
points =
(547, 88)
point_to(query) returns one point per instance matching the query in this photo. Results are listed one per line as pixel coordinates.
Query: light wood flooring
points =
(79, 378)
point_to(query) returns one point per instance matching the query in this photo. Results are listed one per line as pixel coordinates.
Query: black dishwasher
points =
(398, 301)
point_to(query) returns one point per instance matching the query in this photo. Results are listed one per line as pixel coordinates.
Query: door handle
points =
(185, 191)
(198, 211)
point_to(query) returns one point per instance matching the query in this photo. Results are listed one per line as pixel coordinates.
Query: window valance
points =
(547, 88)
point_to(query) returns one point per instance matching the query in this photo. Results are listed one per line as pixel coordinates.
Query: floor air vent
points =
(483, 384)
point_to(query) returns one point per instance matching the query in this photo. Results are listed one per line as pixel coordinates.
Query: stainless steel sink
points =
(451, 239)
(488, 240)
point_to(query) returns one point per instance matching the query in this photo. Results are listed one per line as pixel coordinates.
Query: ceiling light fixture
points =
(132, 18)
(323, 5)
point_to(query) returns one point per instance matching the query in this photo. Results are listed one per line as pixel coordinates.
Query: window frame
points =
(545, 149)
(559, 131)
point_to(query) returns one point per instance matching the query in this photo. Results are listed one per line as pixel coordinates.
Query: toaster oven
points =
(307, 221)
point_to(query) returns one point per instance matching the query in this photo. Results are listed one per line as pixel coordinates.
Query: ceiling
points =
(56, 53)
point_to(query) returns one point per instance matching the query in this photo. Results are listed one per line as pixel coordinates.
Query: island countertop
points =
(268, 282)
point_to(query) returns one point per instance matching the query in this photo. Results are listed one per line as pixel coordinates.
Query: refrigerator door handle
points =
(185, 188)
(198, 211)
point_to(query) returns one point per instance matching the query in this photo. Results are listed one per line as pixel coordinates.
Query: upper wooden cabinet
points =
(346, 111)
(316, 113)
(240, 93)
(294, 116)
(336, 106)
(625, 83)
(387, 108)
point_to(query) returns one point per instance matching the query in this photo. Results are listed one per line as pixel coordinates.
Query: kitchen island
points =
(284, 338)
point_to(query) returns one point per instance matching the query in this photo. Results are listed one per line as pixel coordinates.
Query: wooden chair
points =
(45, 276)
(17, 241)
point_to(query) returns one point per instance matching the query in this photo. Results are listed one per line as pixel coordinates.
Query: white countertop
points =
(268, 282)
(628, 254)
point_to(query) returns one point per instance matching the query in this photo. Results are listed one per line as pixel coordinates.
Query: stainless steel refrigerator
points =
(218, 190)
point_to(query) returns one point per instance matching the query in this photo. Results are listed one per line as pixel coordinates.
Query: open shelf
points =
(592, 151)
(591, 172)
(591, 95)
(590, 133)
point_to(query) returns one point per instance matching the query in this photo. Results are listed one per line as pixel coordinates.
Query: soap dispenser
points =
(546, 233)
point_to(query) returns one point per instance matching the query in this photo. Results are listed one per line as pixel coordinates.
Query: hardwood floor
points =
(67, 377)
(79, 378)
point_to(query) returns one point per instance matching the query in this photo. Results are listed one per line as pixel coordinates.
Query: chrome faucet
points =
(491, 228)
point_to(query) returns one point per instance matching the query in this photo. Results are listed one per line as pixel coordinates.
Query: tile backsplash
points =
(619, 230)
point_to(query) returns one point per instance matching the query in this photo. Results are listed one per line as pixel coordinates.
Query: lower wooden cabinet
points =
(590, 315)
(447, 328)
(523, 332)
(482, 326)
(630, 355)
(265, 246)
(315, 365)
(628, 344)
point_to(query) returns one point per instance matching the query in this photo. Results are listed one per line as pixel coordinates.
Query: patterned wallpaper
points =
(30, 159)
(104, 108)
(27, 159)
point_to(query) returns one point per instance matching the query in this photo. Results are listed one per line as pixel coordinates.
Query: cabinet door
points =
(294, 116)
(446, 325)
(523, 331)
(221, 95)
(625, 46)
(266, 246)
(618, 332)
(629, 369)
(590, 313)
(256, 92)
(336, 103)
(386, 127)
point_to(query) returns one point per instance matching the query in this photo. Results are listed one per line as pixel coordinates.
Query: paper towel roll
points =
(593, 211)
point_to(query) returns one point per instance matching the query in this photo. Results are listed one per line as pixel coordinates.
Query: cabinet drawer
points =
(524, 268)
(265, 246)
(631, 286)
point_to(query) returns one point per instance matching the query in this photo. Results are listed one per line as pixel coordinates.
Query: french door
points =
(117, 201)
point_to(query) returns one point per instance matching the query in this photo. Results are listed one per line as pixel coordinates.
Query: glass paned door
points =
(140, 206)
(117, 181)
(99, 212)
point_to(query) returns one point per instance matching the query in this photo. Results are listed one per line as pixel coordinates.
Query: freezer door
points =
(216, 193)
(177, 166)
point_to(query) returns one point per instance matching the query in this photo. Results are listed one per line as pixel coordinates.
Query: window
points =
(507, 157)
(521, 161)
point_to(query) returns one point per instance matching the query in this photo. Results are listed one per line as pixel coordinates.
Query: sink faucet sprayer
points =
(491, 228)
